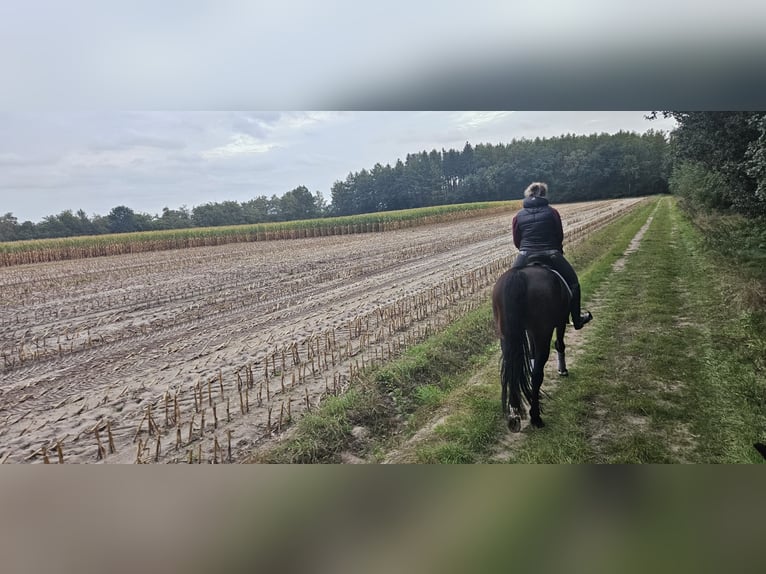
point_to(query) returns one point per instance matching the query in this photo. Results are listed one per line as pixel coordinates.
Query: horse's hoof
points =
(537, 423)
(564, 373)
(514, 424)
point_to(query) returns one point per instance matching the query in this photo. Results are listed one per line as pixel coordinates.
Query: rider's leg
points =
(560, 264)
(578, 318)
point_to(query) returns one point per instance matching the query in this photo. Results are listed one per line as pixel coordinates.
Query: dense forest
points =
(577, 168)
(719, 161)
(712, 160)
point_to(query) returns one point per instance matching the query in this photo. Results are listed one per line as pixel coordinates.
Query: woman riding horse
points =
(539, 236)
(530, 303)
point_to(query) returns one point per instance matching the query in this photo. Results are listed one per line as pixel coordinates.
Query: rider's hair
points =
(536, 189)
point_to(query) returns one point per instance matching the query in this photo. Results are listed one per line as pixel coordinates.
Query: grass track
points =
(657, 383)
(665, 373)
(594, 259)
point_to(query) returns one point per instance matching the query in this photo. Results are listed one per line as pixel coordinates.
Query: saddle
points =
(540, 261)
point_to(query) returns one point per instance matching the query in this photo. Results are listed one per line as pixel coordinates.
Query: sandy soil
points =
(209, 352)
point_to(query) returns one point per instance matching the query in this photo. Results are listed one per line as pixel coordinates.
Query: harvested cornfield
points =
(205, 354)
(49, 250)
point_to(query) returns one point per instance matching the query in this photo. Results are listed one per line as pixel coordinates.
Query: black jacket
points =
(537, 227)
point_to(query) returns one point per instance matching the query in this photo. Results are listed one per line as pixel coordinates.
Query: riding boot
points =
(578, 319)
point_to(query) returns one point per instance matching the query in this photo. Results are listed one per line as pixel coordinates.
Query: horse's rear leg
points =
(537, 382)
(514, 412)
(560, 347)
(504, 375)
(534, 409)
(514, 420)
(511, 405)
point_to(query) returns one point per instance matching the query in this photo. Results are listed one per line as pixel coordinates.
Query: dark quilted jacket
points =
(537, 227)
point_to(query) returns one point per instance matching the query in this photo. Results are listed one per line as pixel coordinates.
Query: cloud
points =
(137, 140)
(255, 124)
(11, 159)
(472, 120)
(239, 144)
(260, 133)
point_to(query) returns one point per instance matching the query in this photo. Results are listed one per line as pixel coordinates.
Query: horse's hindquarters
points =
(528, 304)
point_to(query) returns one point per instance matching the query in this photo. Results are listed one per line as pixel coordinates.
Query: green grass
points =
(468, 434)
(429, 395)
(593, 259)
(737, 238)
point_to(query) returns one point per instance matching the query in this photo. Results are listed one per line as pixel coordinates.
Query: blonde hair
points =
(536, 189)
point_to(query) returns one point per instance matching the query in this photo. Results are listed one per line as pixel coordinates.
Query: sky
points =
(70, 70)
(146, 160)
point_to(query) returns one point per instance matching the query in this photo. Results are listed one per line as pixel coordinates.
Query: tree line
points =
(719, 161)
(298, 203)
(577, 168)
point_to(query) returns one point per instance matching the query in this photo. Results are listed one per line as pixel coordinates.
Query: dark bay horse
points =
(528, 305)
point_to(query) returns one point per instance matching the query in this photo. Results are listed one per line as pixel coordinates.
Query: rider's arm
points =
(559, 229)
(516, 233)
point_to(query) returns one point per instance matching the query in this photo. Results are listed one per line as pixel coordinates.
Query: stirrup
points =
(583, 320)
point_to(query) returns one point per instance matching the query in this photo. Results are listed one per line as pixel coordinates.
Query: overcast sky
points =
(52, 161)
(67, 69)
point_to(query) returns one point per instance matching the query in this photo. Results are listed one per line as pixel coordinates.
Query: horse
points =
(528, 304)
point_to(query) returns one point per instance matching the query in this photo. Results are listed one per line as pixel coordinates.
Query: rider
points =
(539, 235)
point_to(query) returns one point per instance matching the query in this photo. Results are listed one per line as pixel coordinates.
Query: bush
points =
(698, 188)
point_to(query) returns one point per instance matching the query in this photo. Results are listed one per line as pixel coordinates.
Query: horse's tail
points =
(514, 372)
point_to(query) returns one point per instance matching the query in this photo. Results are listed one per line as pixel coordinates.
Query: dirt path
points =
(201, 352)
